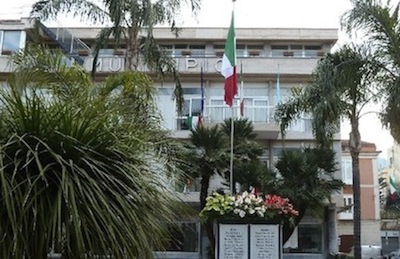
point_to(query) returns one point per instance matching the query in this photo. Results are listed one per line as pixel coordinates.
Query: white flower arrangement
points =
(247, 205)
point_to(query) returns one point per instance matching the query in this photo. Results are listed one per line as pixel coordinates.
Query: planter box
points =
(6, 52)
(186, 52)
(288, 53)
(119, 52)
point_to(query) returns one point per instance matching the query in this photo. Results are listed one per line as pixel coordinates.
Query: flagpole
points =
(200, 120)
(278, 87)
(241, 102)
(232, 123)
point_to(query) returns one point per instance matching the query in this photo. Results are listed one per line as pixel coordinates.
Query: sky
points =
(260, 13)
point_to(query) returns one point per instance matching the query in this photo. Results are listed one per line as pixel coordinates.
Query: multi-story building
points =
(390, 176)
(393, 156)
(263, 54)
(370, 203)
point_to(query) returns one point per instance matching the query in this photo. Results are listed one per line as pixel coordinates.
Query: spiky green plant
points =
(81, 174)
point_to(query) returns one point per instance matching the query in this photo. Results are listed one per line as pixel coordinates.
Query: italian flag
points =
(228, 68)
(392, 186)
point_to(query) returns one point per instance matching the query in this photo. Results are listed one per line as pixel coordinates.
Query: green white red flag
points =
(228, 68)
(392, 186)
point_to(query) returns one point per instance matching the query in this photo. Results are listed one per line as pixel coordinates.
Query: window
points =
(219, 50)
(10, 41)
(303, 124)
(216, 110)
(347, 171)
(106, 52)
(308, 239)
(255, 50)
(255, 109)
(179, 50)
(240, 50)
(191, 111)
(183, 50)
(260, 111)
(312, 50)
(265, 156)
(348, 202)
(197, 50)
(296, 50)
(278, 50)
(256, 106)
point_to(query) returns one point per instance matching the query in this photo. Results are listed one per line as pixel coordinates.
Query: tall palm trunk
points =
(355, 148)
(208, 226)
(132, 50)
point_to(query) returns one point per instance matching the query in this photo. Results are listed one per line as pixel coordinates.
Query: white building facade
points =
(263, 54)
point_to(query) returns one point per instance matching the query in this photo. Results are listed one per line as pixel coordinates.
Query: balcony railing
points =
(255, 113)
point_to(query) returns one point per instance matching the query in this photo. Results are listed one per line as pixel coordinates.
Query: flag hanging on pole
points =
(228, 68)
(241, 92)
(278, 88)
(392, 186)
(200, 119)
(192, 122)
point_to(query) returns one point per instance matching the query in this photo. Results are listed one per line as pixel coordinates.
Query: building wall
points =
(370, 207)
(370, 231)
(366, 171)
(393, 154)
(259, 84)
(368, 203)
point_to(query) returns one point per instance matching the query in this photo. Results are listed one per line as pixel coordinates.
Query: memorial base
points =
(248, 239)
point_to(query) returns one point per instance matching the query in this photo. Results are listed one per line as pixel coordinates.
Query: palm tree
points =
(78, 175)
(131, 25)
(307, 179)
(246, 151)
(206, 157)
(340, 88)
(381, 22)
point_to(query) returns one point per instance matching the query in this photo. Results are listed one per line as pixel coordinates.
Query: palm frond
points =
(86, 10)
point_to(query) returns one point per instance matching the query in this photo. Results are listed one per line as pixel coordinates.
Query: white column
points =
(332, 231)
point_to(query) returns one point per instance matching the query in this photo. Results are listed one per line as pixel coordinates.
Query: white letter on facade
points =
(190, 63)
(119, 64)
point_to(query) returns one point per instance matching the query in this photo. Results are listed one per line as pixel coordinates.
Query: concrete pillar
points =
(333, 247)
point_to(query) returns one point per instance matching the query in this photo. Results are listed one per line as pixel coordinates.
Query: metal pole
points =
(231, 160)
(232, 125)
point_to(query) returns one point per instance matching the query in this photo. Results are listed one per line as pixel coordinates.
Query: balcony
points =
(260, 115)
(346, 215)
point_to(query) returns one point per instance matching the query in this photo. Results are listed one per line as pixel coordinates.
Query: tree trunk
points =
(208, 226)
(132, 50)
(355, 148)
